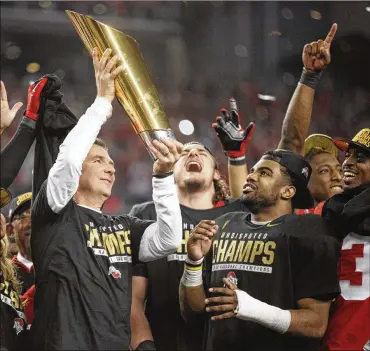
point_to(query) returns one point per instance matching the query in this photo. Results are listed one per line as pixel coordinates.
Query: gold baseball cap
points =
(361, 140)
(21, 202)
(320, 142)
(5, 197)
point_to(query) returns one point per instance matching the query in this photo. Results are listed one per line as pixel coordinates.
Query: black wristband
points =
(146, 345)
(310, 78)
(237, 161)
(165, 175)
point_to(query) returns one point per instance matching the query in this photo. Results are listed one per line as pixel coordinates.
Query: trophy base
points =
(149, 135)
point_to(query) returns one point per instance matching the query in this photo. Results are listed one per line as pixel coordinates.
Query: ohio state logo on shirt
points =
(231, 277)
(114, 272)
(18, 325)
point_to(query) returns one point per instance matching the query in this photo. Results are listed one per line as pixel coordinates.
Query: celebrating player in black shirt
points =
(83, 257)
(270, 274)
(202, 194)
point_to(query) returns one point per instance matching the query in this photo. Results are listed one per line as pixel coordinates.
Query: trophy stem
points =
(148, 136)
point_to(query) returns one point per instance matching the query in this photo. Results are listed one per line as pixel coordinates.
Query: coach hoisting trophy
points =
(135, 90)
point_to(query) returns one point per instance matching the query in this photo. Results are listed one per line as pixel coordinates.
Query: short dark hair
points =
(288, 177)
(100, 142)
(314, 152)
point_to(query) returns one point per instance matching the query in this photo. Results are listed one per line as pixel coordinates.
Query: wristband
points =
(192, 275)
(310, 78)
(237, 161)
(164, 175)
(146, 345)
(251, 309)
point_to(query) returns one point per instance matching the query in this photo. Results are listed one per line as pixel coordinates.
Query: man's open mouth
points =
(193, 166)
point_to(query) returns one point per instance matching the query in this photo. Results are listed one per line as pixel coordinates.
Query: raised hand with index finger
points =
(316, 55)
(233, 137)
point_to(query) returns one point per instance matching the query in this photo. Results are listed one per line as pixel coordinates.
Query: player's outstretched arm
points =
(191, 290)
(63, 179)
(15, 152)
(163, 237)
(315, 57)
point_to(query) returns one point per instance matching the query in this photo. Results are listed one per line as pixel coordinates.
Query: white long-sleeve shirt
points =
(160, 238)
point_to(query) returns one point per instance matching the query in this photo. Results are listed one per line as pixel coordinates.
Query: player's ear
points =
(216, 175)
(9, 229)
(287, 192)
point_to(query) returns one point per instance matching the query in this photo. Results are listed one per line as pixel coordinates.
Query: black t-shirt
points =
(289, 259)
(170, 332)
(13, 319)
(82, 262)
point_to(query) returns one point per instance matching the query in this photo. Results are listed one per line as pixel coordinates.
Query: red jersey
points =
(304, 211)
(314, 210)
(349, 323)
(27, 301)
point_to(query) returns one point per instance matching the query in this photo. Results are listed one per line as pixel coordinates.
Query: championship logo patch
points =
(18, 325)
(231, 277)
(114, 272)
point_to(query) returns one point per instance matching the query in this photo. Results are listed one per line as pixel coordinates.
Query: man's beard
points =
(256, 204)
(193, 186)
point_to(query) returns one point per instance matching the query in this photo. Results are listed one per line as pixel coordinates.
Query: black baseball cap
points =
(360, 140)
(20, 204)
(198, 143)
(300, 172)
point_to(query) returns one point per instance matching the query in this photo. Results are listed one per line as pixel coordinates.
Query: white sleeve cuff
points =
(164, 237)
(164, 186)
(103, 106)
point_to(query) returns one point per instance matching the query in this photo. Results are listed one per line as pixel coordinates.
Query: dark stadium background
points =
(199, 54)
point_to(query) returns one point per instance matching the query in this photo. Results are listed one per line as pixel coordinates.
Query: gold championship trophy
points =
(135, 90)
